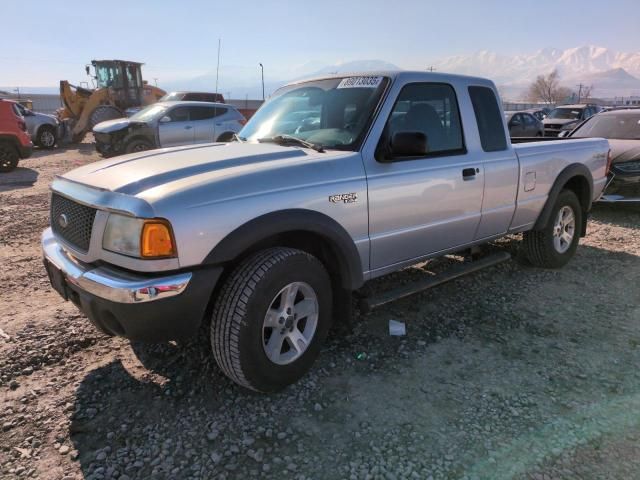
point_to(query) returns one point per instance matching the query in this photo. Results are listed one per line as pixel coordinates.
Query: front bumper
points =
(131, 305)
(622, 188)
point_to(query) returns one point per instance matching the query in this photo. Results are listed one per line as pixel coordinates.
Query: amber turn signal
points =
(157, 239)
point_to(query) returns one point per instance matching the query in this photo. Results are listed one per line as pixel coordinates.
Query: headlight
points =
(138, 237)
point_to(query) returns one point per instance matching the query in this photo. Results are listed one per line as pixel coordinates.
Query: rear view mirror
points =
(165, 119)
(409, 144)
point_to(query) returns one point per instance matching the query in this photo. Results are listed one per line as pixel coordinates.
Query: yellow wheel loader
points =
(119, 86)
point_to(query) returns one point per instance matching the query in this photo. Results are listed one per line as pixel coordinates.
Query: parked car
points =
(622, 129)
(567, 117)
(523, 124)
(183, 97)
(539, 113)
(45, 130)
(168, 124)
(15, 141)
(193, 97)
(268, 236)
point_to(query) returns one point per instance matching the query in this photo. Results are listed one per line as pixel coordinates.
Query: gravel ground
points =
(512, 372)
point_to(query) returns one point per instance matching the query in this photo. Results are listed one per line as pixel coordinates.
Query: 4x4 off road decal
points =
(344, 198)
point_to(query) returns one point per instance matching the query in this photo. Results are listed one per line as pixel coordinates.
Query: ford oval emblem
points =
(63, 221)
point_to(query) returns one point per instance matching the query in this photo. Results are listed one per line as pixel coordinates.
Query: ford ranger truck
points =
(335, 181)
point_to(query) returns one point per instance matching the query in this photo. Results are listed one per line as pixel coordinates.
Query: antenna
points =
(218, 67)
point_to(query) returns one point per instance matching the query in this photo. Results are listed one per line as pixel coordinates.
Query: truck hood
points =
(110, 126)
(559, 121)
(158, 173)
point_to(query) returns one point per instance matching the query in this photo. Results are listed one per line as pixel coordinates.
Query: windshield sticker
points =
(360, 82)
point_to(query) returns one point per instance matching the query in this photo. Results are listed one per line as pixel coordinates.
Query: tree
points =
(584, 92)
(547, 89)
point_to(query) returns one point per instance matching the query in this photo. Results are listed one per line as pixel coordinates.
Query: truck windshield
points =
(623, 126)
(330, 113)
(565, 113)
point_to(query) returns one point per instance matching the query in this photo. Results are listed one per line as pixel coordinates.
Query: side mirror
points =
(409, 144)
(165, 119)
(86, 69)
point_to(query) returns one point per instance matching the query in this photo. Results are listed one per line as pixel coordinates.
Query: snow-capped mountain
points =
(606, 69)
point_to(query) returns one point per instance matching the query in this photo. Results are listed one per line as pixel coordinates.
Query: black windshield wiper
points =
(290, 140)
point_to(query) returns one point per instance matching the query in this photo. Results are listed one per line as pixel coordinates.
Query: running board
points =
(369, 303)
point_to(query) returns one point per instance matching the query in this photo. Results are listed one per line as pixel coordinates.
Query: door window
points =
(529, 121)
(179, 114)
(202, 113)
(432, 109)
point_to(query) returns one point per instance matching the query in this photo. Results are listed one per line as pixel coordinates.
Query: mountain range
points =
(611, 73)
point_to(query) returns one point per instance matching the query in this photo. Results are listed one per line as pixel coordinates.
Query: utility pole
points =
(17, 90)
(430, 68)
(580, 91)
(262, 70)
(218, 66)
(155, 80)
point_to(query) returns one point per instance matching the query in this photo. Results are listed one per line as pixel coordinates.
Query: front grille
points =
(72, 221)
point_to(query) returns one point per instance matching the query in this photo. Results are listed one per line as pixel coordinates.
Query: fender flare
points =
(271, 224)
(569, 172)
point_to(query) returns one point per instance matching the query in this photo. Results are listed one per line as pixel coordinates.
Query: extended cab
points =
(333, 182)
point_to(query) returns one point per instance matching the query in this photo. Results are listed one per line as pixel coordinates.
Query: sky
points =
(51, 41)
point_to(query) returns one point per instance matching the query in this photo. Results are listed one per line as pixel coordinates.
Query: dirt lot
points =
(513, 372)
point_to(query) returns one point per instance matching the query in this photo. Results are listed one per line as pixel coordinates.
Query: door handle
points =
(469, 173)
(188, 127)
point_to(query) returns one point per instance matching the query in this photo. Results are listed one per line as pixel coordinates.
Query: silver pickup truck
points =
(333, 182)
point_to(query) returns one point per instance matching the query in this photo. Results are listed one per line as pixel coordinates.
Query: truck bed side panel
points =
(540, 165)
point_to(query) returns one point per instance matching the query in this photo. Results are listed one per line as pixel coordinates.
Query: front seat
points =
(422, 117)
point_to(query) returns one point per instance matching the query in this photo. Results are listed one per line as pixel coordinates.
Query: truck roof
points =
(400, 74)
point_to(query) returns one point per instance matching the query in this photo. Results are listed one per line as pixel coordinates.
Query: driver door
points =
(176, 128)
(421, 205)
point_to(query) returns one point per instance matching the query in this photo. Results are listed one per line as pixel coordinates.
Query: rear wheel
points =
(46, 137)
(102, 114)
(137, 145)
(270, 318)
(8, 157)
(555, 244)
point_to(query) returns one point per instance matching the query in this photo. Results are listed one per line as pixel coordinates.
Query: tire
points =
(137, 145)
(103, 113)
(46, 137)
(556, 243)
(8, 157)
(240, 336)
(225, 137)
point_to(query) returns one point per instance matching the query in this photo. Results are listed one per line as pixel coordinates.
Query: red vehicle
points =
(15, 142)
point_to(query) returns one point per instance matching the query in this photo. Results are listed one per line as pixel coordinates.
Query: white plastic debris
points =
(396, 328)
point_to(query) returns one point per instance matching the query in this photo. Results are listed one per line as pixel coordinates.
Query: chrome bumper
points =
(110, 283)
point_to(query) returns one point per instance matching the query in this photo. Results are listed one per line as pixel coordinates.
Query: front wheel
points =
(137, 145)
(46, 137)
(555, 244)
(270, 318)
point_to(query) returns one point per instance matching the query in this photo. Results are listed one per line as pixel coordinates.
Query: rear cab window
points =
(488, 118)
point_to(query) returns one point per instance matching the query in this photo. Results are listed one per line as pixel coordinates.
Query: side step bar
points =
(369, 303)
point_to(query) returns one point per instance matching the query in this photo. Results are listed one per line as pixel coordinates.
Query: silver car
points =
(168, 124)
(45, 130)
